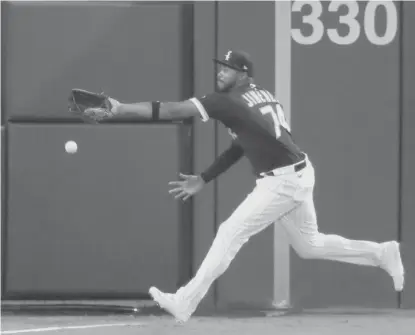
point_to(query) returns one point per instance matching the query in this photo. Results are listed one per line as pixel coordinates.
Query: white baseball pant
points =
(286, 199)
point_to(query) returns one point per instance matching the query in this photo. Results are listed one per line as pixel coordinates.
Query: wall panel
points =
(94, 223)
(408, 153)
(108, 49)
(45, 55)
(345, 114)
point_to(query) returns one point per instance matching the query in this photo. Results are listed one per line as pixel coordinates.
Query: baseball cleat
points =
(392, 263)
(168, 302)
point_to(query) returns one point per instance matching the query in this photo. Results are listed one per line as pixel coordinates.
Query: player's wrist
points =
(205, 178)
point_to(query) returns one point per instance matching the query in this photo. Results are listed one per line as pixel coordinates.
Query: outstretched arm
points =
(105, 108)
(155, 110)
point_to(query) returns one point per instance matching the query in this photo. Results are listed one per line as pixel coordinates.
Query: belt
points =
(285, 169)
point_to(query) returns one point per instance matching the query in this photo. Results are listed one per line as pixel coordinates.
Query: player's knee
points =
(309, 253)
(309, 248)
(305, 252)
(232, 233)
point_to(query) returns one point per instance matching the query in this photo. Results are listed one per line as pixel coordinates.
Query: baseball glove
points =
(91, 107)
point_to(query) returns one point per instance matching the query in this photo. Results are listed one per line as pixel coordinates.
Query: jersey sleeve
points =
(214, 105)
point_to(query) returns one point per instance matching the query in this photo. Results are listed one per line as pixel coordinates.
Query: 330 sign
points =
(313, 19)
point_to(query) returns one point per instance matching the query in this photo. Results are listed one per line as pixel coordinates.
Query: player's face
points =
(226, 78)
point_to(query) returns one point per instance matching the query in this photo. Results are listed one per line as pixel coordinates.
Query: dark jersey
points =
(255, 120)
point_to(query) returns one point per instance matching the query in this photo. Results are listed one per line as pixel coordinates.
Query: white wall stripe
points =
(281, 296)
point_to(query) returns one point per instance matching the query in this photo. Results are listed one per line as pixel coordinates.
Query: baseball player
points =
(283, 193)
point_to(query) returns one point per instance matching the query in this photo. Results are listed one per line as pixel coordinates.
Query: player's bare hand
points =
(187, 187)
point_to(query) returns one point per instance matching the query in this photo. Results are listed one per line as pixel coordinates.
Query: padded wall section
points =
(345, 115)
(119, 48)
(408, 153)
(98, 223)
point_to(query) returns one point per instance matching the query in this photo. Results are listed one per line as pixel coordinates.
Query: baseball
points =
(71, 147)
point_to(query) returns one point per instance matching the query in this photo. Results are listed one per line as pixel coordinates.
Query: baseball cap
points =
(237, 60)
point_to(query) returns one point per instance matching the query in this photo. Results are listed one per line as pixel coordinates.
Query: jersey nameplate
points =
(256, 97)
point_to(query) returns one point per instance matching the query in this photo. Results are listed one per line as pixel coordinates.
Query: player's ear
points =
(242, 75)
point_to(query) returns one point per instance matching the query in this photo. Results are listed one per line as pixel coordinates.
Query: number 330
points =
(348, 19)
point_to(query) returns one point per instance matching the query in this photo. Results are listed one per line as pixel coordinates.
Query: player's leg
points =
(308, 242)
(260, 208)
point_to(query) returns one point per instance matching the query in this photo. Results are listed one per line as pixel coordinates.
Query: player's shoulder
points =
(217, 98)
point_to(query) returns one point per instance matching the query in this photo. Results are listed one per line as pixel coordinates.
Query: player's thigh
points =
(301, 223)
(269, 200)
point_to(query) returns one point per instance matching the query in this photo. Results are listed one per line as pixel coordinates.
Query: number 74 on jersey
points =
(278, 118)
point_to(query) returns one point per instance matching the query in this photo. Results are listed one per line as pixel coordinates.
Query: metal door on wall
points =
(98, 223)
